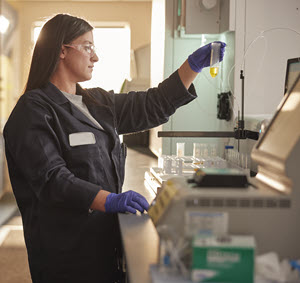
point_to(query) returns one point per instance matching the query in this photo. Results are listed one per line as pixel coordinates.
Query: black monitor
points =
(292, 72)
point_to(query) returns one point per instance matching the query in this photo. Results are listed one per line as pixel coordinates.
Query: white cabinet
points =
(267, 34)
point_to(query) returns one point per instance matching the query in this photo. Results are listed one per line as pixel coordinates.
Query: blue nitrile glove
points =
(126, 202)
(201, 57)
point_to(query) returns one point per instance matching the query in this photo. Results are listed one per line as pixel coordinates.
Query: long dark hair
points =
(61, 29)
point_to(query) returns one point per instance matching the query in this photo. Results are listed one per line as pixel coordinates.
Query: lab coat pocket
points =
(81, 138)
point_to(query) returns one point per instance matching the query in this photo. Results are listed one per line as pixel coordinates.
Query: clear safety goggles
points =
(89, 49)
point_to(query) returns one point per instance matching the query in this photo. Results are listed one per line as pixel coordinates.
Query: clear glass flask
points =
(214, 58)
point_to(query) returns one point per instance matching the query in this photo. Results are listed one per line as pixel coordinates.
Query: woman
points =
(65, 159)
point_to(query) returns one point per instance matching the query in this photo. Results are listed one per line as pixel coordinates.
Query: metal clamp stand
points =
(241, 123)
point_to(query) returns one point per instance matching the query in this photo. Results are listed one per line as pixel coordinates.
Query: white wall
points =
(265, 61)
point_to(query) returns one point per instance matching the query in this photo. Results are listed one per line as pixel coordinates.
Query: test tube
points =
(214, 58)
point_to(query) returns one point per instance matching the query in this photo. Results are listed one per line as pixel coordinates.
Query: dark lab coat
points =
(55, 183)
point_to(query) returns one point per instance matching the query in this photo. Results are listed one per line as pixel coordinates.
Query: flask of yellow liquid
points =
(214, 58)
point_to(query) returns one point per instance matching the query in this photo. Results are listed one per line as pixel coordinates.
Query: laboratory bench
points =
(140, 242)
(139, 236)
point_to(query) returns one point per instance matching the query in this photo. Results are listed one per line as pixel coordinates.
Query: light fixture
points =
(4, 24)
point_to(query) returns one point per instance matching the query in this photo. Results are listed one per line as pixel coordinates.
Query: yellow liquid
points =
(214, 71)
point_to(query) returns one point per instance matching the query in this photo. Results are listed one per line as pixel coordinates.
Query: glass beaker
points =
(214, 58)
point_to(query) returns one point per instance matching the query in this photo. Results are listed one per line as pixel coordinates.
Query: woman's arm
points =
(138, 111)
(99, 201)
(186, 74)
(141, 110)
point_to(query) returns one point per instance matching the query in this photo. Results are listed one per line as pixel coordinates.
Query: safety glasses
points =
(86, 48)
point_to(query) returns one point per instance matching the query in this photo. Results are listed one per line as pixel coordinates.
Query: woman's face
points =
(79, 58)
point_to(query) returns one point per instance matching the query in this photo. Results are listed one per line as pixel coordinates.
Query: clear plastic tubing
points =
(214, 58)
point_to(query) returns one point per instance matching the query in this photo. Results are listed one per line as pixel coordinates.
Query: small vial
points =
(213, 156)
(213, 150)
(196, 150)
(180, 149)
(227, 152)
(214, 59)
(204, 150)
(179, 166)
(167, 165)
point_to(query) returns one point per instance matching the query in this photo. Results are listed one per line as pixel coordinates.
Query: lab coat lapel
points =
(81, 117)
(104, 116)
(100, 104)
(56, 95)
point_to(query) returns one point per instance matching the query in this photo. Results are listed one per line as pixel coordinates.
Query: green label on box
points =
(223, 264)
